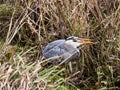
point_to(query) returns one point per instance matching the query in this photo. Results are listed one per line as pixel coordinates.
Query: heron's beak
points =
(85, 41)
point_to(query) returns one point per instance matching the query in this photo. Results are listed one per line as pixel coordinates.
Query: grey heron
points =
(65, 48)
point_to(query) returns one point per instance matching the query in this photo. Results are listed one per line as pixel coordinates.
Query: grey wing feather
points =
(54, 48)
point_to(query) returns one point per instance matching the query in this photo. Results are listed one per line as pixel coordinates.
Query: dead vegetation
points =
(28, 25)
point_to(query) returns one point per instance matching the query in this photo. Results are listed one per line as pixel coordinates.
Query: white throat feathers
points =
(73, 44)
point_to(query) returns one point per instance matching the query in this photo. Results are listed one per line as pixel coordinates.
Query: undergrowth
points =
(27, 26)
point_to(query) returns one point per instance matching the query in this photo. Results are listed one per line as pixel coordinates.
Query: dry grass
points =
(32, 24)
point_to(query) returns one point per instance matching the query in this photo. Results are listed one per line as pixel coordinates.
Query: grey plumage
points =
(61, 49)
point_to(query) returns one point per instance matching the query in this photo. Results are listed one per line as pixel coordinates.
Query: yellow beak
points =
(85, 41)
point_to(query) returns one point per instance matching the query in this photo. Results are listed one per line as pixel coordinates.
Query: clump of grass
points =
(19, 73)
(43, 21)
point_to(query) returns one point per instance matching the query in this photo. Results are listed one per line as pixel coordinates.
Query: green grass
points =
(30, 26)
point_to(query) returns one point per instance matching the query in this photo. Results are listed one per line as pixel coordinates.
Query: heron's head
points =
(76, 41)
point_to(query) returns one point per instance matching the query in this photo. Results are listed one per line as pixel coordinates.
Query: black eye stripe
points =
(71, 38)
